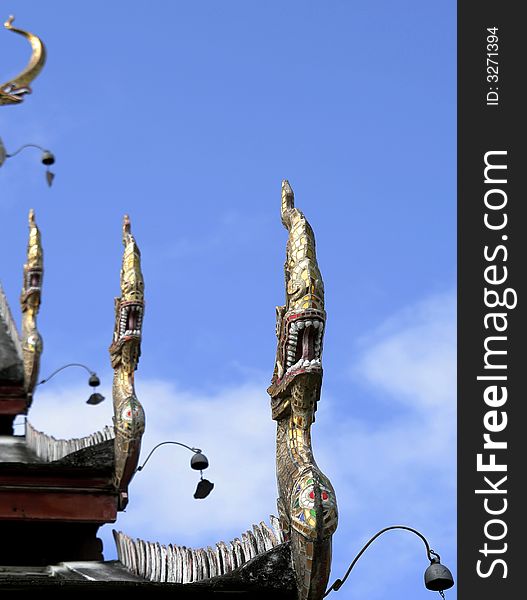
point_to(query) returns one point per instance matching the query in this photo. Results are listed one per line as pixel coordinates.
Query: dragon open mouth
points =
(303, 343)
(131, 320)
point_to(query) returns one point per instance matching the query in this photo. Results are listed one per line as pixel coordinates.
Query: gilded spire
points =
(13, 91)
(34, 247)
(306, 503)
(30, 303)
(129, 418)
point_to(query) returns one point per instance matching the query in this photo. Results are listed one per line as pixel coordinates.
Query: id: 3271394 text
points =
(492, 66)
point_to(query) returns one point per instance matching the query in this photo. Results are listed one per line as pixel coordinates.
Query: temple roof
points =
(14, 450)
(17, 454)
(266, 574)
(11, 363)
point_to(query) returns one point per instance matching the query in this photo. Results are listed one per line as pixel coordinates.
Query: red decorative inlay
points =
(325, 496)
(312, 495)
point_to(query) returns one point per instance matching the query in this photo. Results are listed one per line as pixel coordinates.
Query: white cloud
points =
(410, 356)
(235, 431)
(398, 468)
(233, 428)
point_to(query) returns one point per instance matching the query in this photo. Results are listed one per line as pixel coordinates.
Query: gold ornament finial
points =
(127, 228)
(13, 91)
(288, 202)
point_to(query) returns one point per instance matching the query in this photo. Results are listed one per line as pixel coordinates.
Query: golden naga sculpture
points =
(30, 304)
(13, 91)
(129, 417)
(306, 504)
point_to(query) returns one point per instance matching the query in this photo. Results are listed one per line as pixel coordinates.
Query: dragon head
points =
(129, 308)
(300, 322)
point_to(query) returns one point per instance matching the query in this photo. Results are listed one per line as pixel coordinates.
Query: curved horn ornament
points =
(13, 91)
(307, 504)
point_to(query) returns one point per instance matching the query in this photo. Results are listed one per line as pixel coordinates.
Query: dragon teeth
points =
(302, 364)
(301, 324)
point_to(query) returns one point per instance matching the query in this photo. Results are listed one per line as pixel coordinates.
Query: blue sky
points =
(187, 115)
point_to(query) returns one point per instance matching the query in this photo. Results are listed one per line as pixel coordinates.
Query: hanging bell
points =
(47, 158)
(438, 577)
(199, 462)
(94, 381)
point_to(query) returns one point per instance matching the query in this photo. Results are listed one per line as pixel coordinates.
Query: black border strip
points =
(491, 124)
